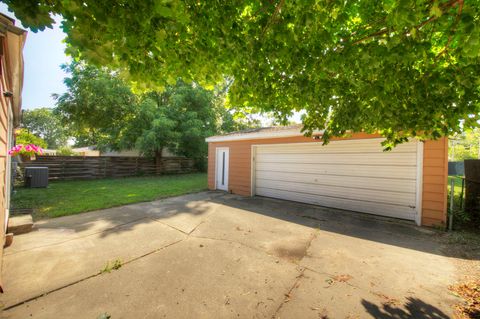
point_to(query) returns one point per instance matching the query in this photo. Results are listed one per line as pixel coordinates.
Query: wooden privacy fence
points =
(90, 167)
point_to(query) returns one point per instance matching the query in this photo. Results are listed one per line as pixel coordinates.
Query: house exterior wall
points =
(12, 40)
(5, 122)
(434, 181)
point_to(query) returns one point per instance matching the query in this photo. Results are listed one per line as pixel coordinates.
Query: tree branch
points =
(383, 31)
(278, 7)
(453, 30)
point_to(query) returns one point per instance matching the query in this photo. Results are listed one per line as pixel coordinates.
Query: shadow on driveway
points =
(414, 308)
(385, 230)
(213, 253)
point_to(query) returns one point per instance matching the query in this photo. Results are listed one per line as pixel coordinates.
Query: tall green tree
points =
(96, 106)
(179, 119)
(464, 146)
(101, 110)
(45, 123)
(398, 67)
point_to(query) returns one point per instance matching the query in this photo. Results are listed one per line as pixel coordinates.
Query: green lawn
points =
(72, 197)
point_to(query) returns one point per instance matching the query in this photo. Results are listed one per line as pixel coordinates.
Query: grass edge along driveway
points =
(63, 198)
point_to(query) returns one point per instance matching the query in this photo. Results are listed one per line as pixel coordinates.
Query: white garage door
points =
(350, 174)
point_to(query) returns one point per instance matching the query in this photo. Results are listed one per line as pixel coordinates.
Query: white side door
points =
(221, 170)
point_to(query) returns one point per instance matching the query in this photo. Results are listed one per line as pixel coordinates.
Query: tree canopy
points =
(402, 68)
(101, 110)
(46, 124)
(96, 106)
(464, 146)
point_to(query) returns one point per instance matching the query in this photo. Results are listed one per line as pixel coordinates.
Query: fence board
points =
(79, 167)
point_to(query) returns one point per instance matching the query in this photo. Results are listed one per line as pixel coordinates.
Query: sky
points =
(43, 54)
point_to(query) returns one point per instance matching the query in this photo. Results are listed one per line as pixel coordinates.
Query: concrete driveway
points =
(214, 255)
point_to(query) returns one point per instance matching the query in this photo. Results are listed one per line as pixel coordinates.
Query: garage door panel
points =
(352, 205)
(371, 195)
(354, 146)
(382, 183)
(407, 172)
(354, 175)
(390, 159)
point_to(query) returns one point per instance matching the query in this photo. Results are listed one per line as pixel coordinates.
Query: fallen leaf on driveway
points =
(342, 278)
(386, 299)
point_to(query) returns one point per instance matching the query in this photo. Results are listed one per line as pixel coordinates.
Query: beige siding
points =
(3, 159)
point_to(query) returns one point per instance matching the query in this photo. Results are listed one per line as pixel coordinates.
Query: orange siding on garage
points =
(435, 172)
(435, 166)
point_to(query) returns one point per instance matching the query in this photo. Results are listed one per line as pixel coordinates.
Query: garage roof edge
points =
(261, 133)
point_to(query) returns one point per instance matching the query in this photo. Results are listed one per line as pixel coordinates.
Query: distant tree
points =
(102, 110)
(25, 137)
(151, 130)
(96, 106)
(464, 146)
(180, 118)
(45, 123)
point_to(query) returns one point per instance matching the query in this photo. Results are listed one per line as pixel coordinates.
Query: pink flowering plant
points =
(28, 150)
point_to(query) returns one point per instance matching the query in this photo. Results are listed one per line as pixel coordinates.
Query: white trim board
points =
(257, 135)
(418, 216)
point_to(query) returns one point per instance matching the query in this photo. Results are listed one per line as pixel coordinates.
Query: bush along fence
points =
(86, 167)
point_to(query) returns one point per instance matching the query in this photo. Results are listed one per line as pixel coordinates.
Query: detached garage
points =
(353, 173)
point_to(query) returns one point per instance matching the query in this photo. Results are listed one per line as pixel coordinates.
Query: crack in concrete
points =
(288, 295)
(170, 226)
(296, 283)
(109, 229)
(122, 264)
(331, 276)
(106, 230)
(234, 242)
(89, 277)
(194, 228)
